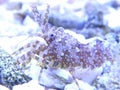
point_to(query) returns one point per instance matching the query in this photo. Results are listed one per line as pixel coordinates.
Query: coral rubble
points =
(10, 73)
(109, 80)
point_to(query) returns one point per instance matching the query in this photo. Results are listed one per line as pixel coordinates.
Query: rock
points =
(19, 17)
(82, 86)
(33, 70)
(114, 3)
(114, 40)
(3, 88)
(55, 78)
(32, 85)
(91, 7)
(49, 78)
(65, 20)
(109, 80)
(95, 12)
(61, 77)
(14, 6)
(112, 22)
(93, 32)
(87, 75)
(3, 1)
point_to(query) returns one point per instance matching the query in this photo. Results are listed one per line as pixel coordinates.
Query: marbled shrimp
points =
(62, 50)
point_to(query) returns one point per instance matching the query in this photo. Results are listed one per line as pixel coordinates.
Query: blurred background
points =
(87, 17)
(90, 18)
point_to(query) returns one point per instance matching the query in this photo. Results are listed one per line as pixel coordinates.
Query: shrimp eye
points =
(51, 35)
